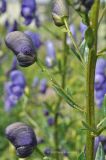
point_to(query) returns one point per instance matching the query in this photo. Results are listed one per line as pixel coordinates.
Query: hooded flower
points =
(22, 46)
(28, 8)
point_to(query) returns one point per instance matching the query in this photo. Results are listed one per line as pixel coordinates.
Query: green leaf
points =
(64, 95)
(82, 156)
(89, 37)
(100, 153)
(88, 127)
(84, 50)
(92, 14)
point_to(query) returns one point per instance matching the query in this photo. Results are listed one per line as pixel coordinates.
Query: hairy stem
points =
(90, 110)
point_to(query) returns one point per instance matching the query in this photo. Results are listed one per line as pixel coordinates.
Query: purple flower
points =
(11, 27)
(50, 54)
(50, 121)
(73, 31)
(18, 78)
(43, 86)
(22, 137)
(46, 112)
(22, 46)
(100, 81)
(3, 6)
(47, 151)
(14, 89)
(102, 140)
(83, 28)
(35, 82)
(28, 9)
(36, 39)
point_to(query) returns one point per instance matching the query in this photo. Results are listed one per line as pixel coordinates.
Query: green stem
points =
(63, 76)
(39, 152)
(90, 77)
(73, 41)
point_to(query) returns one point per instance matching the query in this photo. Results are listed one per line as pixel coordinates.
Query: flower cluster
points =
(100, 81)
(14, 89)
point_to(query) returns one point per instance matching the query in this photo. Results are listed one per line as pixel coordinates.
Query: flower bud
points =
(59, 12)
(23, 47)
(22, 137)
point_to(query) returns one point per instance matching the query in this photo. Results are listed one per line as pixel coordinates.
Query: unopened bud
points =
(59, 12)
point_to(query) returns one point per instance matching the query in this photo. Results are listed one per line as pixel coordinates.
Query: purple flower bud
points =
(35, 38)
(35, 82)
(83, 28)
(60, 11)
(3, 6)
(50, 121)
(43, 86)
(46, 112)
(47, 151)
(28, 9)
(22, 137)
(23, 47)
(51, 54)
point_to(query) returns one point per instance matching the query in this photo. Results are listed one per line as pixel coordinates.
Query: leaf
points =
(84, 50)
(92, 14)
(82, 156)
(63, 94)
(89, 37)
(88, 127)
(100, 153)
